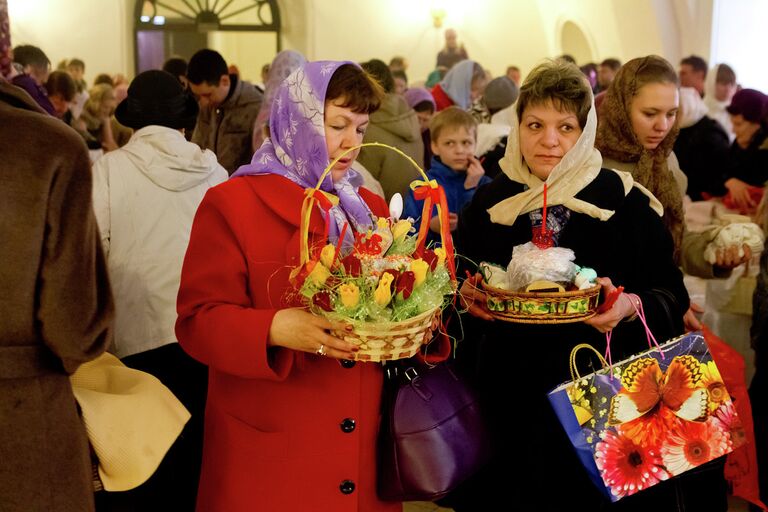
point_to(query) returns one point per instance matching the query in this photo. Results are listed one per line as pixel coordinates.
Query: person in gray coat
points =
(228, 109)
(395, 124)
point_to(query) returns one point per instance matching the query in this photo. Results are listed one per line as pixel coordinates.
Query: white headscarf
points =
(692, 107)
(577, 169)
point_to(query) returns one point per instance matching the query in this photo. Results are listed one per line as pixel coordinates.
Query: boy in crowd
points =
(453, 135)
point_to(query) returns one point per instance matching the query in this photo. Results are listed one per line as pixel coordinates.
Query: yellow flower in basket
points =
(440, 253)
(382, 223)
(327, 256)
(400, 229)
(319, 273)
(350, 295)
(419, 268)
(383, 293)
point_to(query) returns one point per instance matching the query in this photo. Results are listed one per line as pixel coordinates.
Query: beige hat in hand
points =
(131, 418)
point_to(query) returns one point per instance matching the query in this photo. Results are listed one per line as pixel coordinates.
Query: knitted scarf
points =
(616, 140)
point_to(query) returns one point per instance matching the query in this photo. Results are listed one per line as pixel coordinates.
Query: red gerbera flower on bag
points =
(627, 467)
(693, 443)
(731, 423)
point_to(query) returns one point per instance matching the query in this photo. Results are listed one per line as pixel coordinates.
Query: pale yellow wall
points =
(497, 33)
(96, 31)
(500, 32)
(248, 50)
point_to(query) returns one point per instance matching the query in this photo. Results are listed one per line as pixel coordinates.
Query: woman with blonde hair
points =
(93, 122)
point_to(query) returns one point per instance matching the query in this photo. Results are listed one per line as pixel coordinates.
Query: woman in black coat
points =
(613, 226)
(748, 165)
(701, 147)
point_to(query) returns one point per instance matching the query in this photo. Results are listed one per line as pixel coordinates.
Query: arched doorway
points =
(246, 32)
(574, 42)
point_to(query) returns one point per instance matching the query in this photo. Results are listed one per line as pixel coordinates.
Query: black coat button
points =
(348, 363)
(347, 487)
(347, 425)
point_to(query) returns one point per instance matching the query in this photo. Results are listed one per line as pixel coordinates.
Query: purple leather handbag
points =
(432, 437)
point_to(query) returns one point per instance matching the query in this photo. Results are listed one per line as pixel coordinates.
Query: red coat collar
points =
(285, 198)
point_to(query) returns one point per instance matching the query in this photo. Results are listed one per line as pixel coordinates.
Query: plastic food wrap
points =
(529, 264)
(494, 275)
(736, 234)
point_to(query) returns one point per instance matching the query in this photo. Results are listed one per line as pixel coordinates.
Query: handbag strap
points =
(574, 370)
(648, 335)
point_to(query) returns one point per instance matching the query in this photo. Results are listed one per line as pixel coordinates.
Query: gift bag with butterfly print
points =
(649, 418)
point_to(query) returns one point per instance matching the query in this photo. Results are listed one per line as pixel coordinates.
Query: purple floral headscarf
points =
(284, 63)
(296, 147)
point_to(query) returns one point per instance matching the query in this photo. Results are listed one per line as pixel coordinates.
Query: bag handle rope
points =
(574, 370)
(426, 189)
(640, 312)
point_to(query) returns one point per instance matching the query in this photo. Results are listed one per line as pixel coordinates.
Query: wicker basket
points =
(387, 341)
(542, 307)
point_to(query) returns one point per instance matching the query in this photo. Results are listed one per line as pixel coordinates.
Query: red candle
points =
(544, 213)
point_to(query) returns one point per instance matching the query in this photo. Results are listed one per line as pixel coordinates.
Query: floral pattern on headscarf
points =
(616, 139)
(285, 63)
(297, 150)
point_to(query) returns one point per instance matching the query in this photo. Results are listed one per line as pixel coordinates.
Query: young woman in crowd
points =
(95, 122)
(637, 131)
(462, 85)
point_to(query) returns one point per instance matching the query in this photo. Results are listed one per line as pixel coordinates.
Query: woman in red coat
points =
(290, 421)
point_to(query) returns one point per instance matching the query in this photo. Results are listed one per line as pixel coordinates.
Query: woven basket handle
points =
(429, 190)
(574, 370)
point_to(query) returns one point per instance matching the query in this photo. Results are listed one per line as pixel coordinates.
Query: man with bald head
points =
(452, 52)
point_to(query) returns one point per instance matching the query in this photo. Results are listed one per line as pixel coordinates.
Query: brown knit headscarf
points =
(616, 139)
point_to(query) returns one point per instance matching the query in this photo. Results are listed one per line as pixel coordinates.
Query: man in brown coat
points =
(228, 109)
(55, 307)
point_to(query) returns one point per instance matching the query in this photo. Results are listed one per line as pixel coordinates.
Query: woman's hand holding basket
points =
(297, 329)
(473, 298)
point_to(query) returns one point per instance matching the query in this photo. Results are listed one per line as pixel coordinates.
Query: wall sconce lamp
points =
(438, 15)
(148, 11)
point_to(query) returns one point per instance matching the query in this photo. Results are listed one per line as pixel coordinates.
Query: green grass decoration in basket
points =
(390, 287)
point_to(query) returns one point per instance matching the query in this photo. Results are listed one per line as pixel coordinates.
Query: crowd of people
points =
(158, 219)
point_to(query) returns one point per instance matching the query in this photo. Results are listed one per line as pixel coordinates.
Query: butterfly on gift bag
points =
(645, 387)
